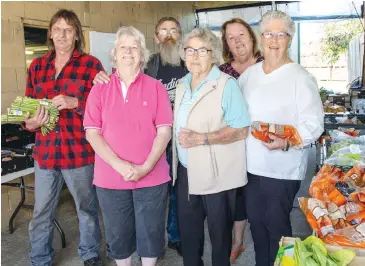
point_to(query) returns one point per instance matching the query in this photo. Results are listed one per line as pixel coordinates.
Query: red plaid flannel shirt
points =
(66, 146)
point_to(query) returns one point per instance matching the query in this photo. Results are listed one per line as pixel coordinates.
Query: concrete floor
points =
(15, 248)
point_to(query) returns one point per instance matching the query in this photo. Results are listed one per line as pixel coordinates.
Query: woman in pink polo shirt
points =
(128, 123)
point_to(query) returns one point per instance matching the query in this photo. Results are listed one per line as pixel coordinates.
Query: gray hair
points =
(277, 15)
(130, 31)
(208, 37)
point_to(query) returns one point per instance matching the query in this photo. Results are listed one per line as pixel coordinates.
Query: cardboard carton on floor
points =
(359, 260)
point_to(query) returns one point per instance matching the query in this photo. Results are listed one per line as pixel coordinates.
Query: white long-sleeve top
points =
(287, 96)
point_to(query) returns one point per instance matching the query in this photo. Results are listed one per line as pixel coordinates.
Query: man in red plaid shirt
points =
(64, 75)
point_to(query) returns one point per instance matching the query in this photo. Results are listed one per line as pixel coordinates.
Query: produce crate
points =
(359, 260)
(341, 100)
(331, 123)
(323, 144)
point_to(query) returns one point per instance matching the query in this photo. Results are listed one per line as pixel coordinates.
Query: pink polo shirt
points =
(129, 126)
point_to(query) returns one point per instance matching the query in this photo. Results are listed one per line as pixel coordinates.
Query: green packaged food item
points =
(318, 248)
(311, 252)
(23, 105)
(342, 257)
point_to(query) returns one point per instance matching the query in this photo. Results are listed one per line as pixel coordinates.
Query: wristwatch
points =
(206, 141)
(287, 146)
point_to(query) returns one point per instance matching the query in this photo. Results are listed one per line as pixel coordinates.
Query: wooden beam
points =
(214, 4)
(225, 5)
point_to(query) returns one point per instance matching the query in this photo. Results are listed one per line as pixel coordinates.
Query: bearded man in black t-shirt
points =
(168, 67)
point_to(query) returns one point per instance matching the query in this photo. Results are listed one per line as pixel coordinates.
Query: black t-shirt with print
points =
(170, 76)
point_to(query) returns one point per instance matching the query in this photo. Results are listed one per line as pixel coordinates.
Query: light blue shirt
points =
(233, 104)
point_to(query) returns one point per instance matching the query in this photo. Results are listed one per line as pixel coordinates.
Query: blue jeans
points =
(48, 185)
(172, 224)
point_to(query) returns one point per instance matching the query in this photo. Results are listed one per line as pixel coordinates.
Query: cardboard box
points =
(359, 260)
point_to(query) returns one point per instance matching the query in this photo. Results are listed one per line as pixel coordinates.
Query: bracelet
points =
(30, 130)
(206, 141)
(287, 146)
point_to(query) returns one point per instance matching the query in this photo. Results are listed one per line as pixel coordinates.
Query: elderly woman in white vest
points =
(209, 163)
(278, 91)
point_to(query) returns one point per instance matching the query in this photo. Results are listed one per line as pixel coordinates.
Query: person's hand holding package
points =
(275, 136)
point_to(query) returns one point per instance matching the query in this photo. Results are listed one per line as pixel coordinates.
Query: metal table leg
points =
(62, 234)
(20, 205)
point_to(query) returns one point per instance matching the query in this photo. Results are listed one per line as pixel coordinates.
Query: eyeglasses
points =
(189, 51)
(166, 31)
(280, 35)
(125, 48)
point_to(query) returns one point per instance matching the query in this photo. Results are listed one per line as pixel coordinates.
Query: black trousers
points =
(269, 202)
(218, 208)
(240, 206)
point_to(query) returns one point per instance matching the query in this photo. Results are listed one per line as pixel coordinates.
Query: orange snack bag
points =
(336, 197)
(356, 218)
(324, 183)
(356, 177)
(319, 220)
(351, 208)
(261, 131)
(353, 236)
(317, 215)
(359, 198)
(336, 215)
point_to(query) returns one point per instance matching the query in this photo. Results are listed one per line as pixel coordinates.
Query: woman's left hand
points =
(138, 172)
(276, 144)
(189, 138)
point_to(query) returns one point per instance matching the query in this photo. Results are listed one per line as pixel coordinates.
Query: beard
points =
(169, 52)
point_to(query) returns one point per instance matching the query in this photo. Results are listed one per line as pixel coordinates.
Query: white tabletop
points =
(15, 175)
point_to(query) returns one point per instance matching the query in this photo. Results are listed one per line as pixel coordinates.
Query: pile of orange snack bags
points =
(261, 131)
(337, 210)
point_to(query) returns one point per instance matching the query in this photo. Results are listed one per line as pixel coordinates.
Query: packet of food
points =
(325, 181)
(354, 212)
(359, 199)
(353, 236)
(356, 218)
(283, 255)
(356, 177)
(317, 215)
(262, 130)
(336, 215)
(351, 208)
(344, 188)
(335, 196)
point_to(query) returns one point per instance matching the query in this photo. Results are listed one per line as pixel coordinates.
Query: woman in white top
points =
(278, 91)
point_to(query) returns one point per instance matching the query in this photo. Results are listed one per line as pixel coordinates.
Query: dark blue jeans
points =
(172, 224)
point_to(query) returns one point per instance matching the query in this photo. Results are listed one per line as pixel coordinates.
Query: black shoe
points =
(175, 246)
(93, 262)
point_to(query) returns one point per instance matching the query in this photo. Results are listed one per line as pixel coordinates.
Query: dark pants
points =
(134, 220)
(240, 214)
(173, 234)
(218, 208)
(269, 202)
